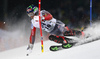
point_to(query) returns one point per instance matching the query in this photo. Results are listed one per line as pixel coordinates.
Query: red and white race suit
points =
(47, 23)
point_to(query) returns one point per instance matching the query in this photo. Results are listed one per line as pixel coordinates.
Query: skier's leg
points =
(74, 33)
(70, 32)
(62, 40)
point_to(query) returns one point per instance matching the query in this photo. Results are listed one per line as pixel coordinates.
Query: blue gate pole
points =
(90, 12)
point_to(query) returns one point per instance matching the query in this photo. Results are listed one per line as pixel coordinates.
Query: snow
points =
(86, 51)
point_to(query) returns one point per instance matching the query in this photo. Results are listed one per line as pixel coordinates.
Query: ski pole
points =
(42, 47)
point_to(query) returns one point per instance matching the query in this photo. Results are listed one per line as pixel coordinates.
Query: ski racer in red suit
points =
(56, 28)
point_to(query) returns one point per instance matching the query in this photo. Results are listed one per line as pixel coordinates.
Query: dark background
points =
(71, 12)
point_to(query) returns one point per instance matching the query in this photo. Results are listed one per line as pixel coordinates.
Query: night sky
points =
(21, 5)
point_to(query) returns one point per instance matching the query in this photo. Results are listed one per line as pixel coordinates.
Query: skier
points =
(56, 28)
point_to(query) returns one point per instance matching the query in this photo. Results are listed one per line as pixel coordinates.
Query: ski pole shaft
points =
(42, 47)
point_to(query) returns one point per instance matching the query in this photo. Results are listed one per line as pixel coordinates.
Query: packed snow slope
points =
(86, 51)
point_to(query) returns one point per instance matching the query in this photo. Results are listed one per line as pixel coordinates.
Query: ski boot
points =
(60, 47)
(67, 45)
(55, 48)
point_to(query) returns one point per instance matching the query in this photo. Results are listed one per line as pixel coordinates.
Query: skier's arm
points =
(32, 36)
(32, 39)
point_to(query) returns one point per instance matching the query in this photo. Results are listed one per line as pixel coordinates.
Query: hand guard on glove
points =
(29, 49)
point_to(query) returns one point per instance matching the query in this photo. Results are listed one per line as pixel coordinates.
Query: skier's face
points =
(31, 14)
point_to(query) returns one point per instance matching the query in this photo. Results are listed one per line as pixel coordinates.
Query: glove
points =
(30, 46)
(29, 49)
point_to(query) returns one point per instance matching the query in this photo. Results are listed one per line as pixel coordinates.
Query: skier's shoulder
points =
(44, 11)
